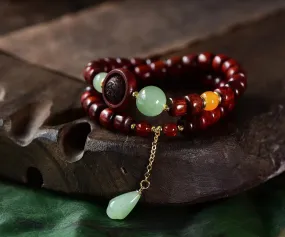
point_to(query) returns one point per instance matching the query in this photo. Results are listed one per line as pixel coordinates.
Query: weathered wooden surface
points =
(129, 28)
(243, 151)
(16, 14)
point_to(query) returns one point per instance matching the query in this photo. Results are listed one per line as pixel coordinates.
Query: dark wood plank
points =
(15, 14)
(128, 28)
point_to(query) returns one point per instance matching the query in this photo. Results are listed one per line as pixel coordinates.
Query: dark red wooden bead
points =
(159, 69)
(88, 101)
(208, 118)
(85, 95)
(137, 61)
(233, 71)
(89, 88)
(222, 83)
(237, 87)
(91, 70)
(95, 109)
(227, 64)
(190, 124)
(194, 103)
(170, 129)
(218, 60)
(205, 60)
(189, 62)
(149, 61)
(174, 66)
(106, 118)
(144, 72)
(239, 77)
(178, 107)
(123, 123)
(123, 63)
(227, 95)
(143, 129)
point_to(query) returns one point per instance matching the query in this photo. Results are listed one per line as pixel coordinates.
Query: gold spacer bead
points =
(166, 107)
(135, 94)
(219, 95)
(155, 129)
(180, 128)
(133, 126)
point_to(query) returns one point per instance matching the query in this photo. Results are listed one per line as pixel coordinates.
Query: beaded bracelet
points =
(114, 84)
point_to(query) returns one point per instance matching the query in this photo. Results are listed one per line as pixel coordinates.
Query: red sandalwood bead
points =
(159, 69)
(143, 129)
(144, 72)
(233, 71)
(227, 64)
(218, 60)
(194, 103)
(178, 107)
(123, 123)
(208, 118)
(88, 101)
(205, 60)
(174, 66)
(85, 95)
(137, 61)
(106, 118)
(227, 95)
(170, 129)
(90, 71)
(239, 77)
(189, 63)
(237, 87)
(95, 109)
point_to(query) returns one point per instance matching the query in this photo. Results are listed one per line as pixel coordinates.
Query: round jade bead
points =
(151, 101)
(98, 80)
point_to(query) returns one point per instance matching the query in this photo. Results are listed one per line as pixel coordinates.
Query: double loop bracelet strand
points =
(113, 88)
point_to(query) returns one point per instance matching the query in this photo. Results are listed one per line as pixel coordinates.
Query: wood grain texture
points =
(77, 156)
(16, 14)
(129, 28)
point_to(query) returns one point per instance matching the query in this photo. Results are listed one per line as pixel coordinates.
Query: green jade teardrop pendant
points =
(121, 206)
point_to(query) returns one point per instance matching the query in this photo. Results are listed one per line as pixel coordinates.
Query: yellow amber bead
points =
(211, 100)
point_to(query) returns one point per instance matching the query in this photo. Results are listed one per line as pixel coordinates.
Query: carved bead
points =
(170, 129)
(227, 96)
(118, 88)
(194, 104)
(106, 118)
(143, 129)
(95, 109)
(123, 123)
(178, 107)
(218, 60)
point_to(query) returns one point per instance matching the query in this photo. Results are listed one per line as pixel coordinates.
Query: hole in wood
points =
(73, 141)
(65, 116)
(26, 121)
(124, 171)
(34, 177)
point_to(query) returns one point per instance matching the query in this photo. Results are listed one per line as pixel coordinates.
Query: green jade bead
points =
(121, 206)
(151, 101)
(98, 81)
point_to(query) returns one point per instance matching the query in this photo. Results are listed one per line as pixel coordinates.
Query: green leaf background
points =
(257, 213)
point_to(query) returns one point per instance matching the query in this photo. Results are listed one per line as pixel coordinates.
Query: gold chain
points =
(145, 183)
